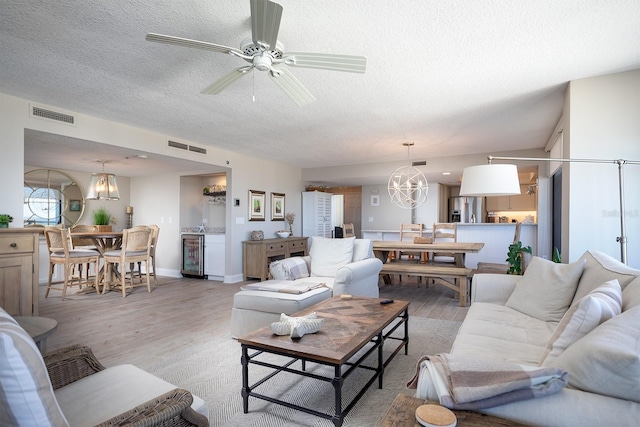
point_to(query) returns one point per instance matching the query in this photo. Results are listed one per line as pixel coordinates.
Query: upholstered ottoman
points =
(255, 309)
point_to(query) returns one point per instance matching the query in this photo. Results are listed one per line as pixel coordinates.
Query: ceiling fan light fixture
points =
(264, 51)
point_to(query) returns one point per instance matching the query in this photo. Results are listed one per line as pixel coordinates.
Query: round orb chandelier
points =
(408, 187)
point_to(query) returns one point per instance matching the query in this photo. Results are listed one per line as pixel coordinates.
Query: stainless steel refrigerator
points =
(466, 209)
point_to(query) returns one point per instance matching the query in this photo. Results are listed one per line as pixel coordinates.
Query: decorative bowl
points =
(283, 233)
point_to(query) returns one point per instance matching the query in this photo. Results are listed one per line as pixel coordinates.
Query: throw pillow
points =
(289, 269)
(362, 249)
(546, 289)
(26, 394)
(631, 294)
(328, 255)
(600, 267)
(583, 316)
(607, 360)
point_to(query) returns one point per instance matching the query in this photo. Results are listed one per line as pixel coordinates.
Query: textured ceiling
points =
(455, 77)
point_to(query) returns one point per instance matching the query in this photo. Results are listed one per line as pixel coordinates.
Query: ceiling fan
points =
(265, 53)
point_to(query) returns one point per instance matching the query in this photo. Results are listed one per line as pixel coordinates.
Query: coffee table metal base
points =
(338, 378)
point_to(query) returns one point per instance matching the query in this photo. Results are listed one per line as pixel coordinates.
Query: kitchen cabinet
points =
(258, 254)
(214, 256)
(19, 266)
(520, 202)
(316, 214)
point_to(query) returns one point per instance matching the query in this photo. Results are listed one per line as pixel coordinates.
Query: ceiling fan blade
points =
(265, 22)
(222, 83)
(326, 61)
(160, 38)
(291, 86)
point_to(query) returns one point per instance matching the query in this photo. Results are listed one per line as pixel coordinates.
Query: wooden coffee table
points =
(349, 326)
(402, 413)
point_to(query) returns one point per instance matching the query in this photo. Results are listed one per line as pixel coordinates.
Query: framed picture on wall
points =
(74, 205)
(256, 205)
(375, 200)
(277, 206)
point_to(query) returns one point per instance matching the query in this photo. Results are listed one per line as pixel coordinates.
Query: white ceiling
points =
(454, 77)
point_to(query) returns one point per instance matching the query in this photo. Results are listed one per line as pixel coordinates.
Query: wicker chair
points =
(155, 231)
(136, 247)
(62, 253)
(349, 230)
(173, 408)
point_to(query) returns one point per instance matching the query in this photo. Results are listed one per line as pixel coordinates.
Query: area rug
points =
(212, 371)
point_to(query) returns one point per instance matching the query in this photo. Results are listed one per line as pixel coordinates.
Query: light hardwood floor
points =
(180, 312)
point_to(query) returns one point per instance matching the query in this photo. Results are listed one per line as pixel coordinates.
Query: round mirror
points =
(51, 197)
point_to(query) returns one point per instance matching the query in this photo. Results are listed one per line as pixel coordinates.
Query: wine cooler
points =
(193, 256)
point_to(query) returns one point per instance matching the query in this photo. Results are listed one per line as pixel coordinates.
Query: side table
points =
(402, 413)
(39, 328)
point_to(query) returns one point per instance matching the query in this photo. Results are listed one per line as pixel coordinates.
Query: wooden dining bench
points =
(438, 273)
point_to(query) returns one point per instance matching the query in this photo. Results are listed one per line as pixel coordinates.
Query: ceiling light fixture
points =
(408, 187)
(502, 180)
(103, 186)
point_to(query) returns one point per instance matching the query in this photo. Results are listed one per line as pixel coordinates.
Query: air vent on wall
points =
(197, 149)
(183, 146)
(420, 163)
(178, 145)
(44, 113)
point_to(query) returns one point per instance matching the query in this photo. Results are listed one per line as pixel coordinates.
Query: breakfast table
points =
(104, 241)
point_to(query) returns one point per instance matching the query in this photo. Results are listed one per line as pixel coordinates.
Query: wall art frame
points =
(75, 205)
(375, 200)
(257, 206)
(277, 206)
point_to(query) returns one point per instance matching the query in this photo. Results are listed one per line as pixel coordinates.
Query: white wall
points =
(604, 123)
(387, 216)
(155, 197)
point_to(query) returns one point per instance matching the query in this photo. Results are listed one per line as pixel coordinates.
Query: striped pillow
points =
(598, 306)
(26, 394)
(289, 269)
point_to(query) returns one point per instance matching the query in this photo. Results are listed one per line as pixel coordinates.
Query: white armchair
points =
(345, 266)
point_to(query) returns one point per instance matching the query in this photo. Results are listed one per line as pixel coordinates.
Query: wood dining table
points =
(452, 275)
(381, 249)
(104, 241)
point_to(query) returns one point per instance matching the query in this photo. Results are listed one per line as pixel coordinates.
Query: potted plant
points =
(5, 219)
(515, 257)
(102, 218)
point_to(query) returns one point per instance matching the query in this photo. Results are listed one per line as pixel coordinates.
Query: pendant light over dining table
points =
(103, 186)
(408, 187)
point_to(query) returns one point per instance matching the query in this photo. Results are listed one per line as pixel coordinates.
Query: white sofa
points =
(70, 387)
(557, 323)
(345, 266)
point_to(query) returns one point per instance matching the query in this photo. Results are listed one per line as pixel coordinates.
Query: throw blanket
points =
(470, 383)
(284, 287)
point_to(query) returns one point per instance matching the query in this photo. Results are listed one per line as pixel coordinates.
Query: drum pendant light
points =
(103, 186)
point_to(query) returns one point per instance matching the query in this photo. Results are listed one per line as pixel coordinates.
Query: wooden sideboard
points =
(19, 262)
(258, 254)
